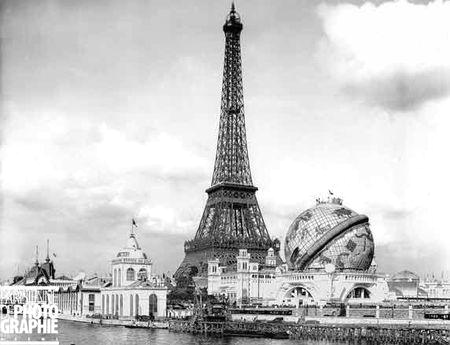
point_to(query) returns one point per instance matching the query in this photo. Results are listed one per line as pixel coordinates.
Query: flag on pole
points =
(54, 255)
(134, 222)
(331, 193)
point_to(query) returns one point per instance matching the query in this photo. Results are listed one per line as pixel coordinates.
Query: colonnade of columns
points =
(67, 302)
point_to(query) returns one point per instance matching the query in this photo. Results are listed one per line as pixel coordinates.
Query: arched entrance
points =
(152, 305)
(359, 292)
(298, 296)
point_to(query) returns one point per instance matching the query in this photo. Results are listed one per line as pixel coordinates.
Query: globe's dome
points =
(329, 233)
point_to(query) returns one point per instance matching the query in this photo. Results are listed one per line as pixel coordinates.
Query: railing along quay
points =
(354, 333)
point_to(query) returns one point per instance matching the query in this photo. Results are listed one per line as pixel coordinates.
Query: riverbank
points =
(361, 321)
(116, 322)
(338, 321)
(380, 334)
(422, 323)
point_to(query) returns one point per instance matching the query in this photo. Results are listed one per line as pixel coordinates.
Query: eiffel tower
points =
(232, 219)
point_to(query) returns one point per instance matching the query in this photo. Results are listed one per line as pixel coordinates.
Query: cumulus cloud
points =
(395, 55)
(62, 180)
(166, 219)
(55, 155)
(163, 152)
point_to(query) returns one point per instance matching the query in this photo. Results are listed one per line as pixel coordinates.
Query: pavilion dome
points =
(132, 250)
(405, 276)
(329, 234)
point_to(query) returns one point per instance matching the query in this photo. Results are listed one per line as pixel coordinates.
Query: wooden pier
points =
(342, 333)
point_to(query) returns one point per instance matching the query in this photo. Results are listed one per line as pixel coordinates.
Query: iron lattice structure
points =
(232, 219)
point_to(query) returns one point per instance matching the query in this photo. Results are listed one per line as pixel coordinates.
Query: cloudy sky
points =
(110, 111)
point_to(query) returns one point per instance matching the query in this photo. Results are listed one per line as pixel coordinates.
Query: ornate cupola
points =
(131, 263)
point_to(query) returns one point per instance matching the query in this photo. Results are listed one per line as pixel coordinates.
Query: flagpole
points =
(133, 225)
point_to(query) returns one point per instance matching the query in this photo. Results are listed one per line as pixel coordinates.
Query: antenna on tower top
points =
(232, 7)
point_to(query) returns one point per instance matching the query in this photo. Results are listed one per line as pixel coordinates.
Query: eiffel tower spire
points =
(231, 219)
(232, 163)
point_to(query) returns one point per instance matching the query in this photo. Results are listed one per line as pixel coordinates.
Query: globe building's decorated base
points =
(329, 252)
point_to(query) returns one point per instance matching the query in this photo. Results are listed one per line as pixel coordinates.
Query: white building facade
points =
(135, 291)
(277, 285)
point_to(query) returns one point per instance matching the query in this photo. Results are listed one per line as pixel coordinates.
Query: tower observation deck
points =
(232, 219)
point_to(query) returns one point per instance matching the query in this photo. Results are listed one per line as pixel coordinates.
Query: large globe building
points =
(329, 234)
(329, 258)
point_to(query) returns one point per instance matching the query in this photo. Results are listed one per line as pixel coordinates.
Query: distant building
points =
(436, 288)
(68, 294)
(405, 284)
(38, 274)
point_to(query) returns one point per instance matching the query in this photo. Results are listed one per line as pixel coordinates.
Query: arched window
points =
(136, 305)
(142, 274)
(107, 304)
(130, 274)
(121, 305)
(152, 304)
(103, 304)
(119, 277)
(114, 277)
(117, 305)
(131, 306)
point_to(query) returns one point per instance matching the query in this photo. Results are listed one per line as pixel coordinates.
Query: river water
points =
(86, 334)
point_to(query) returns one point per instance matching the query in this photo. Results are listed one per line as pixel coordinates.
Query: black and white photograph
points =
(224, 172)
